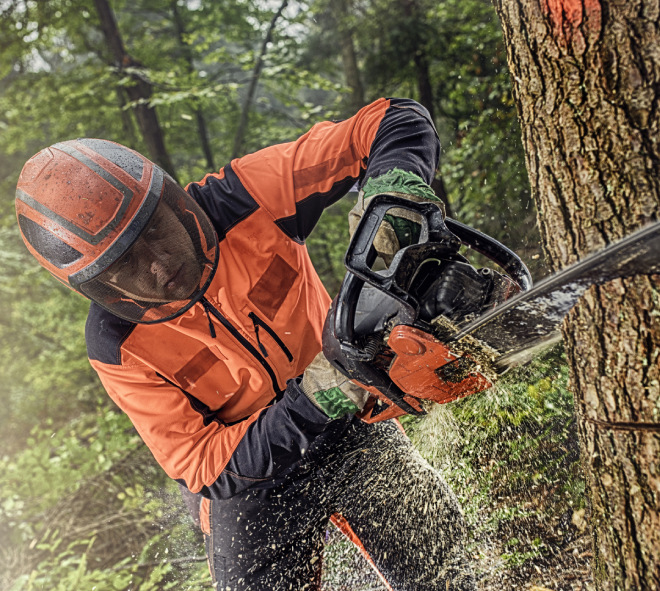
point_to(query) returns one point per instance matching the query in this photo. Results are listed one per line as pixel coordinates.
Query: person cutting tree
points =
(206, 328)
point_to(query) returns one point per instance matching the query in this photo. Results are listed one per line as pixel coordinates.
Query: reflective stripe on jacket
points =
(201, 402)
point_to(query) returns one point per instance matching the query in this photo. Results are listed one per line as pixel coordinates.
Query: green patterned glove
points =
(331, 391)
(400, 227)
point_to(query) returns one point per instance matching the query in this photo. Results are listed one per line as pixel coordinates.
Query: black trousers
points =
(270, 537)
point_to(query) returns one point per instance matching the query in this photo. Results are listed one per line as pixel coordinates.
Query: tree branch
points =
(249, 97)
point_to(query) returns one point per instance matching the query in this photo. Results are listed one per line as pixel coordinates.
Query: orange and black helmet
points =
(110, 224)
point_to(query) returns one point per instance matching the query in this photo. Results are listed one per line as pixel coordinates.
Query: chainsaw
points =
(432, 327)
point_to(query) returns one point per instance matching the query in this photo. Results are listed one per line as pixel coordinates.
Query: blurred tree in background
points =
(169, 78)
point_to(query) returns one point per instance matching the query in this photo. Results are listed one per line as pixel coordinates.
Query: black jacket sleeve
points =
(406, 139)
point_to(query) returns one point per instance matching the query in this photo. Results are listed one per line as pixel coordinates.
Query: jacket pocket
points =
(258, 324)
(269, 293)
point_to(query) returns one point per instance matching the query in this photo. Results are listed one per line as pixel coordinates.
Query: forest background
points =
(82, 502)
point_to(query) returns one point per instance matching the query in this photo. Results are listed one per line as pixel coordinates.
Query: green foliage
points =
(62, 461)
(458, 43)
(45, 375)
(86, 505)
(511, 455)
(483, 167)
(66, 84)
(328, 242)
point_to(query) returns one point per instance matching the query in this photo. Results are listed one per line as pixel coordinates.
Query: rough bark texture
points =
(139, 93)
(586, 79)
(613, 341)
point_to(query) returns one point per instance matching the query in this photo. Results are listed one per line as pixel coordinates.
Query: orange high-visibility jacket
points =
(198, 387)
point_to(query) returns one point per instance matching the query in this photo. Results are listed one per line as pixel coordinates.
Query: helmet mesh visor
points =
(168, 267)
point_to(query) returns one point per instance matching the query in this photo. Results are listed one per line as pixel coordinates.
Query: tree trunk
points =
(249, 97)
(438, 186)
(139, 93)
(341, 10)
(351, 71)
(202, 130)
(126, 121)
(420, 56)
(586, 77)
(424, 81)
(424, 86)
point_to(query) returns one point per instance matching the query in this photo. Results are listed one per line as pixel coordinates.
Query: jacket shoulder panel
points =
(104, 335)
(283, 174)
(300, 225)
(224, 199)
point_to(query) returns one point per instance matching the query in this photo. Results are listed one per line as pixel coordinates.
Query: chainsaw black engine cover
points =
(453, 289)
(461, 291)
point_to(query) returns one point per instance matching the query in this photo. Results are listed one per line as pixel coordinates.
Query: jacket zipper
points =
(259, 322)
(210, 309)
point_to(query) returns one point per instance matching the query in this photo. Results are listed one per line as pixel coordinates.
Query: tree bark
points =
(139, 93)
(202, 129)
(586, 77)
(249, 97)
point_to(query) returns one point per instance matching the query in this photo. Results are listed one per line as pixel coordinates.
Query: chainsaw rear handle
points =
(493, 250)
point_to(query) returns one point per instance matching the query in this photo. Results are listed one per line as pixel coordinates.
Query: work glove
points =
(330, 391)
(400, 227)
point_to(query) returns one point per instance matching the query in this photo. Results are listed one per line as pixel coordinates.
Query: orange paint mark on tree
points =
(568, 15)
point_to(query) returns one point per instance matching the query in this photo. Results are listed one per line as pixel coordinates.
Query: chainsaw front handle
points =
(360, 255)
(435, 241)
(493, 250)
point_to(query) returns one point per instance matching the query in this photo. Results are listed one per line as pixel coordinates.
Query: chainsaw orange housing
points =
(419, 356)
